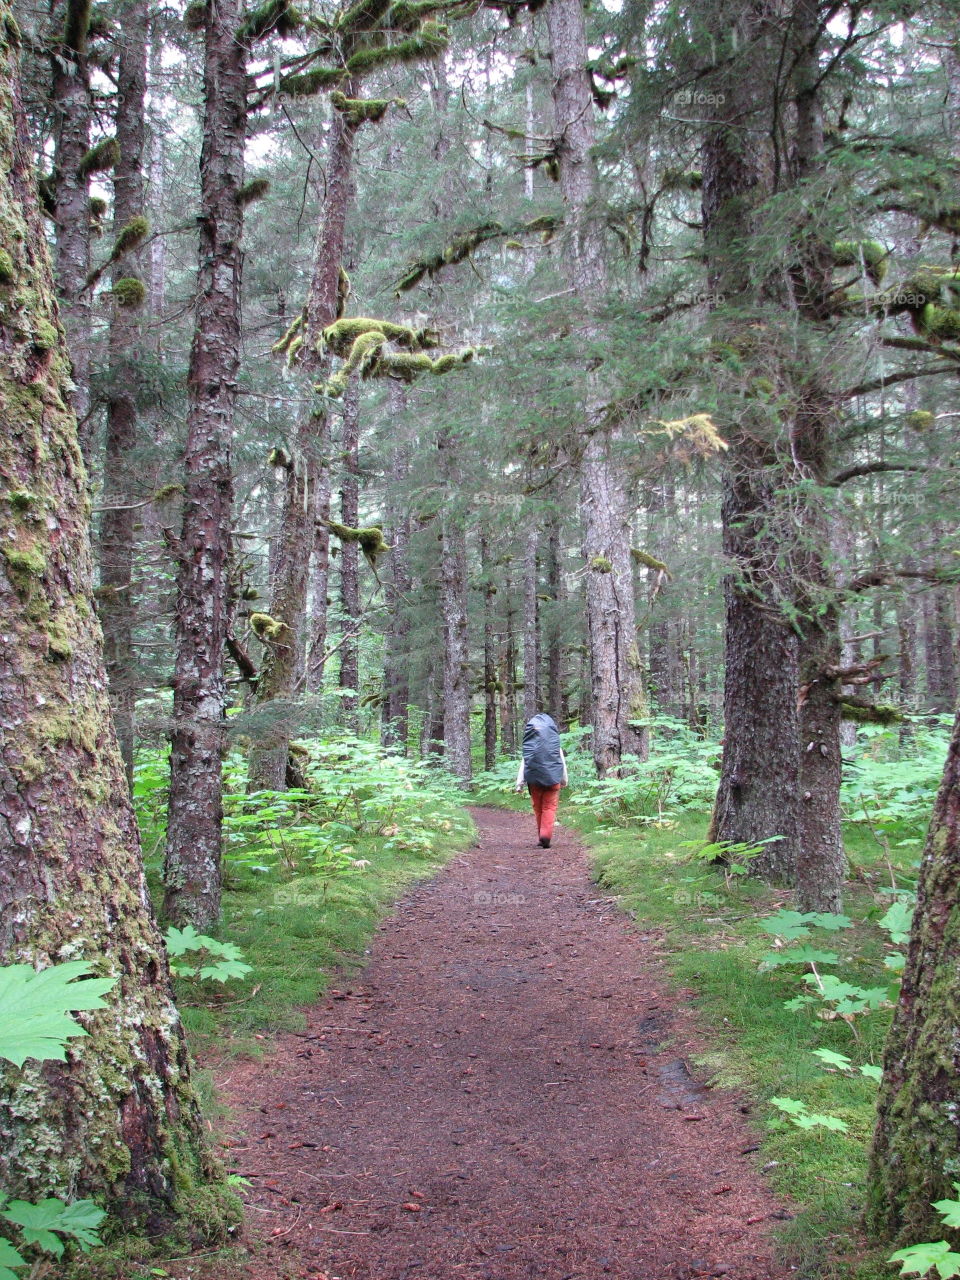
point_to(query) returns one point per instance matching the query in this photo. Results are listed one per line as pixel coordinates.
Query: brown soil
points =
(502, 1094)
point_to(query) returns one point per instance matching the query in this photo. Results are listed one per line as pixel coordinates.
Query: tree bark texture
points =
(759, 782)
(192, 870)
(456, 648)
(531, 622)
(117, 530)
(70, 97)
(119, 1116)
(350, 556)
(554, 635)
(396, 672)
(615, 675)
(299, 533)
(489, 658)
(916, 1144)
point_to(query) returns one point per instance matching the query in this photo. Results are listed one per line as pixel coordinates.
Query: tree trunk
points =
(554, 638)
(192, 869)
(456, 653)
(759, 782)
(117, 532)
(70, 99)
(320, 578)
(531, 623)
(821, 862)
(350, 556)
(508, 678)
(916, 1144)
(489, 659)
(118, 1119)
(298, 531)
(396, 673)
(939, 651)
(616, 685)
(665, 673)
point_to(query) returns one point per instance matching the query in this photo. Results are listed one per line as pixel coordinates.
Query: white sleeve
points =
(520, 773)
(563, 761)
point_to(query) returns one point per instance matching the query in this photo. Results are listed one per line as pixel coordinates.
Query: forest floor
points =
(502, 1093)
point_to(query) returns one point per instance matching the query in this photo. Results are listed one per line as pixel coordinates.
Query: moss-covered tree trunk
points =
(615, 673)
(916, 1145)
(118, 1120)
(489, 656)
(192, 872)
(305, 480)
(70, 99)
(553, 629)
(120, 488)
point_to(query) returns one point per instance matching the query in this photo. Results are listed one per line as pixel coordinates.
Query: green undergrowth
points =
(308, 873)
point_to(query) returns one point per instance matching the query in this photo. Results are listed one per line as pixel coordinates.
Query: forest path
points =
(493, 1098)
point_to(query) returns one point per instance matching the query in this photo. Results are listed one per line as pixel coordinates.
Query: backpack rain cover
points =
(542, 761)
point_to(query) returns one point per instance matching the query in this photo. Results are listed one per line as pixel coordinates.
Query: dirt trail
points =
(502, 1094)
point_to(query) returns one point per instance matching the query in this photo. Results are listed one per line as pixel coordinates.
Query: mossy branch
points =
(105, 155)
(128, 238)
(650, 562)
(371, 539)
(268, 629)
(463, 245)
(358, 111)
(252, 191)
(861, 711)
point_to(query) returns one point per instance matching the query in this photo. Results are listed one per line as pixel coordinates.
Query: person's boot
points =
(544, 842)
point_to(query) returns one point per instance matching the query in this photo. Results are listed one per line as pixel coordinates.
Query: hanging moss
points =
(250, 593)
(312, 82)
(429, 42)
(920, 420)
(253, 190)
(278, 457)
(682, 180)
(167, 491)
(7, 273)
(357, 111)
(408, 366)
(344, 289)
(129, 292)
(875, 259)
(105, 155)
(515, 246)
(98, 209)
(275, 15)
(130, 236)
(24, 564)
(600, 564)
(648, 561)
(371, 539)
(292, 340)
(266, 628)
(195, 15)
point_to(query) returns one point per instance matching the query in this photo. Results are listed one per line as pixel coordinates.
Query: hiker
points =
(544, 770)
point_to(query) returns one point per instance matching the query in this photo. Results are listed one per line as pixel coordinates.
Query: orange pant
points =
(545, 801)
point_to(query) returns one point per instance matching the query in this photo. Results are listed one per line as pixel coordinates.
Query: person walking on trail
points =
(544, 770)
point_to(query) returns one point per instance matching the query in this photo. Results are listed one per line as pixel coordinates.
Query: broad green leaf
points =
(42, 1224)
(896, 962)
(224, 970)
(949, 1210)
(813, 1121)
(797, 955)
(792, 1106)
(873, 1072)
(829, 920)
(921, 1258)
(786, 924)
(9, 1257)
(833, 1059)
(35, 1008)
(897, 920)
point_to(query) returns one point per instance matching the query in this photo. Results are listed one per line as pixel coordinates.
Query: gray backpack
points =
(542, 759)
